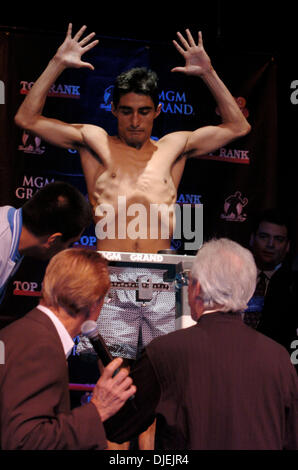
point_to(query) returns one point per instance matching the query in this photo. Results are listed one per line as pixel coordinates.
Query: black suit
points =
(279, 318)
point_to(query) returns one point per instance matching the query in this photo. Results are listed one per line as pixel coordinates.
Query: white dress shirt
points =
(66, 339)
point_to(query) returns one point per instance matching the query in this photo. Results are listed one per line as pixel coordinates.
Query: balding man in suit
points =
(34, 396)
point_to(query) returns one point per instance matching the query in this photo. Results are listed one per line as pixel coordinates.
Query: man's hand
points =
(197, 62)
(110, 393)
(72, 49)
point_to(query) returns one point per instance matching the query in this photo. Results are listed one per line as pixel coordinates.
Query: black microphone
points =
(89, 329)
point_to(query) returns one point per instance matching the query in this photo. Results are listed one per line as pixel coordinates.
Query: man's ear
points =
(194, 300)
(197, 289)
(194, 289)
(53, 238)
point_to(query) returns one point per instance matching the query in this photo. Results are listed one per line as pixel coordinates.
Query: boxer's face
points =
(135, 114)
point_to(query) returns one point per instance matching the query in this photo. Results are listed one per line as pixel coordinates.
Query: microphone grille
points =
(89, 328)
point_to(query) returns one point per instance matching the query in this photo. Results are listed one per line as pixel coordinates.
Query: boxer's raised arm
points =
(29, 115)
(234, 124)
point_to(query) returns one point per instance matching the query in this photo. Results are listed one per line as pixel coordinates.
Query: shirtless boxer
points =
(131, 164)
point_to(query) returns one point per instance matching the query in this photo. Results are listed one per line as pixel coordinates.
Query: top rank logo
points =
(56, 91)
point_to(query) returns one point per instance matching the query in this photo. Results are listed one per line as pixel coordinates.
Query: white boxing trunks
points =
(127, 323)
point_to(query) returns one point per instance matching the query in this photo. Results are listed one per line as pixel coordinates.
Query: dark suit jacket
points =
(279, 318)
(34, 396)
(216, 385)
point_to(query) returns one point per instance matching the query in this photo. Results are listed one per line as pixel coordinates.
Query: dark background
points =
(246, 25)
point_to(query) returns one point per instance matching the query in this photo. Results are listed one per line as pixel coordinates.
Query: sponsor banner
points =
(228, 155)
(31, 144)
(31, 184)
(57, 90)
(173, 102)
(27, 288)
(233, 209)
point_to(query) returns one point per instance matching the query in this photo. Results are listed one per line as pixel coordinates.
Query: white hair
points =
(227, 274)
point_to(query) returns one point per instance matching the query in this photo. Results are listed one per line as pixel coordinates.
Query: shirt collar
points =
(64, 336)
(269, 273)
(15, 220)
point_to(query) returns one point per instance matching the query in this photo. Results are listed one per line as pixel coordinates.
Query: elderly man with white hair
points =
(217, 385)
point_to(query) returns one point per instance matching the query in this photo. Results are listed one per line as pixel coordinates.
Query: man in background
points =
(273, 309)
(53, 219)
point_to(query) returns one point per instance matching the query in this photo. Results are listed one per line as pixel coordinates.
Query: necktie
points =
(261, 285)
(252, 317)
